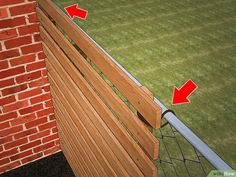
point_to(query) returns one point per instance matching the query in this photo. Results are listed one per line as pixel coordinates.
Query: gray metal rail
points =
(192, 138)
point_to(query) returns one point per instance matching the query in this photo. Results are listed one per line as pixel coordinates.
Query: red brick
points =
(33, 18)
(44, 147)
(22, 9)
(31, 109)
(9, 2)
(32, 48)
(35, 66)
(45, 112)
(11, 130)
(36, 122)
(31, 158)
(1, 148)
(16, 143)
(41, 55)
(6, 139)
(8, 34)
(12, 72)
(39, 82)
(3, 13)
(10, 23)
(50, 138)
(52, 150)
(9, 166)
(7, 100)
(39, 135)
(4, 125)
(8, 153)
(23, 120)
(3, 65)
(30, 93)
(15, 89)
(30, 145)
(12, 43)
(40, 98)
(46, 88)
(22, 60)
(16, 106)
(55, 130)
(25, 133)
(9, 54)
(6, 83)
(28, 77)
(52, 117)
(21, 155)
(4, 161)
(37, 38)
(49, 104)
(49, 125)
(29, 29)
(45, 72)
(8, 116)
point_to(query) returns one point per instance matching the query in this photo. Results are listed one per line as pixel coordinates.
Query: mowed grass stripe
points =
(115, 40)
(147, 17)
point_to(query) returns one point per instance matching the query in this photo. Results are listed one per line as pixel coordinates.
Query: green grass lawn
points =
(165, 43)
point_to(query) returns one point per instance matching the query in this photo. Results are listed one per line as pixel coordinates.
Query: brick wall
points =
(27, 124)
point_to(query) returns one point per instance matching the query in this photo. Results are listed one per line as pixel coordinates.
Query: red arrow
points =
(74, 11)
(180, 96)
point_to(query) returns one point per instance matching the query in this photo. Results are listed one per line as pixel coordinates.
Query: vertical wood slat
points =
(151, 95)
(148, 142)
(137, 154)
(100, 126)
(130, 90)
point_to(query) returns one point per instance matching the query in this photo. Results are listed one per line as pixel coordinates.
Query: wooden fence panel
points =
(75, 109)
(88, 110)
(143, 136)
(129, 89)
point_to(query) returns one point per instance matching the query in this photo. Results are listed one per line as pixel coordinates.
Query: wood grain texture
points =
(130, 146)
(104, 137)
(87, 128)
(120, 158)
(129, 89)
(78, 141)
(148, 142)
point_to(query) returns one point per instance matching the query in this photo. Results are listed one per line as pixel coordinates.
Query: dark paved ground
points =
(52, 166)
